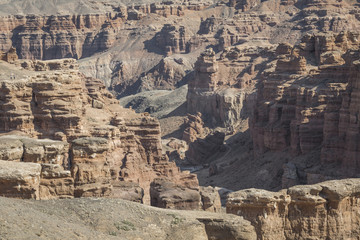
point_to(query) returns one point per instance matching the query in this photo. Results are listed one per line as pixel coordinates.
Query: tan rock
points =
(166, 194)
(194, 128)
(301, 212)
(11, 149)
(110, 147)
(19, 180)
(210, 199)
(302, 106)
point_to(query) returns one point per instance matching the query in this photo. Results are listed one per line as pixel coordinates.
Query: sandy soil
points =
(95, 218)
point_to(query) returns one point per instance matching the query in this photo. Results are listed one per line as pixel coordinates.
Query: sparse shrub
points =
(176, 219)
(125, 225)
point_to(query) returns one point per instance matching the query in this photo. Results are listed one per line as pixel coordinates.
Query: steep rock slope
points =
(307, 103)
(112, 150)
(126, 41)
(327, 210)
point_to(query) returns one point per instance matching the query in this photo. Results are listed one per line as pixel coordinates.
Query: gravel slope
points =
(99, 218)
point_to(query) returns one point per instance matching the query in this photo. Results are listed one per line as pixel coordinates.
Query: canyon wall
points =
(223, 89)
(327, 210)
(124, 44)
(100, 148)
(307, 104)
(78, 35)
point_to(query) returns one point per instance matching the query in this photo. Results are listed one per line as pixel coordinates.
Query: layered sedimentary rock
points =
(102, 149)
(43, 37)
(38, 164)
(166, 194)
(110, 31)
(19, 180)
(210, 199)
(254, 27)
(9, 56)
(79, 35)
(171, 39)
(244, 5)
(168, 74)
(307, 104)
(222, 88)
(326, 210)
(194, 128)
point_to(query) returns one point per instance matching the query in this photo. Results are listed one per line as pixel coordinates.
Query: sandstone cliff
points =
(222, 87)
(306, 104)
(121, 42)
(326, 210)
(100, 146)
(77, 35)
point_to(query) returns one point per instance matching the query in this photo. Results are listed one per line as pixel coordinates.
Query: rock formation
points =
(243, 5)
(171, 39)
(113, 35)
(19, 180)
(307, 103)
(78, 35)
(63, 135)
(9, 56)
(100, 146)
(221, 89)
(194, 128)
(322, 211)
(229, 32)
(168, 74)
(166, 194)
(210, 199)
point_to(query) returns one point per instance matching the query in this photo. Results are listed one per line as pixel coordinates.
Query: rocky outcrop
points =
(310, 108)
(79, 35)
(36, 164)
(19, 180)
(42, 37)
(9, 56)
(244, 5)
(168, 74)
(210, 199)
(56, 182)
(194, 128)
(321, 211)
(222, 88)
(166, 194)
(172, 39)
(236, 30)
(103, 150)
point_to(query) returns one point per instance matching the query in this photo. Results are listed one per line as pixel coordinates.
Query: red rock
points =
(301, 212)
(114, 152)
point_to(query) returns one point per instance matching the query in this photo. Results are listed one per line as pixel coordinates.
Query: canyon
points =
(98, 148)
(248, 107)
